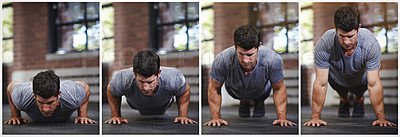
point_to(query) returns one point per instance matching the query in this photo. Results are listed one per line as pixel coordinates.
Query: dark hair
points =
(247, 37)
(46, 84)
(146, 63)
(347, 18)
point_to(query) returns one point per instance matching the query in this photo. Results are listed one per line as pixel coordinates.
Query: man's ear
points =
(359, 27)
(159, 73)
(34, 95)
(59, 94)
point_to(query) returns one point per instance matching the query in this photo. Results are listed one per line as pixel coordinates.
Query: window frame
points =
(155, 42)
(53, 34)
(253, 18)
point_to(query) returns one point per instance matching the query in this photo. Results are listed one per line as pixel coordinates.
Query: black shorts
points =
(358, 90)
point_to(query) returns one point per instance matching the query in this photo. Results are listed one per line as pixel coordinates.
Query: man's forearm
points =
(376, 97)
(14, 111)
(214, 100)
(318, 99)
(280, 101)
(183, 102)
(114, 102)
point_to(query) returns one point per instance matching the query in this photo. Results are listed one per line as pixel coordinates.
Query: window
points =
(107, 32)
(306, 37)
(7, 33)
(381, 20)
(174, 26)
(74, 26)
(279, 25)
(207, 33)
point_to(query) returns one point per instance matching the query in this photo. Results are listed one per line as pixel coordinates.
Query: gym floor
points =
(67, 127)
(350, 125)
(158, 124)
(238, 125)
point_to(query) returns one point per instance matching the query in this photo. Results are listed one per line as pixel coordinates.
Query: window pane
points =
(193, 35)
(7, 15)
(107, 50)
(293, 35)
(207, 52)
(207, 21)
(379, 33)
(92, 10)
(371, 13)
(71, 38)
(171, 12)
(7, 50)
(180, 37)
(107, 22)
(271, 13)
(70, 12)
(307, 24)
(393, 36)
(392, 12)
(293, 11)
(173, 37)
(193, 10)
(280, 39)
(268, 37)
(93, 33)
(306, 55)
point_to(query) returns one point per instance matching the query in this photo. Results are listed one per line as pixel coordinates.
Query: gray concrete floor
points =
(67, 127)
(159, 124)
(350, 125)
(238, 125)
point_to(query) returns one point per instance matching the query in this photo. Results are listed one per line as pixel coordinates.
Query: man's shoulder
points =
(267, 56)
(170, 72)
(24, 87)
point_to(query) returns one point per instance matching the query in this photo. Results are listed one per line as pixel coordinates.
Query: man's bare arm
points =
(82, 111)
(15, 113)
(280, 101)
(318, 97)
(115, 106)
(214, 101)
(183, 106)
(376, 96)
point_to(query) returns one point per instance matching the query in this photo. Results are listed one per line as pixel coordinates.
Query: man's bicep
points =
(321, 76)
(215, 84)
(373, 77)
(278, 85)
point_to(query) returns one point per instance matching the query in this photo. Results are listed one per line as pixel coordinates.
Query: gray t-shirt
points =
(71, 98)
(226, 69)
(348, 71)
(171, 83)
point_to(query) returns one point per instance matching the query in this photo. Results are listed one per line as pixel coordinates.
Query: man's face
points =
(47, 106)
(148, 85)
(348, 40)
(247, 58)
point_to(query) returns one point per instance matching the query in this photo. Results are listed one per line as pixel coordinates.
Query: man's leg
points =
(244, 106)
(259, 107)
(344, 105)
(358, 110)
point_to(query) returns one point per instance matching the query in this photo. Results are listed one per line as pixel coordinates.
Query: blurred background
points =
(170, 28)
(60, 36)
(279, 25)
(380, 18)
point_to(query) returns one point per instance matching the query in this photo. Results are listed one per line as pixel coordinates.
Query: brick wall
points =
(31, 44)
(227, 18)
(131, 32)
(31, 40)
